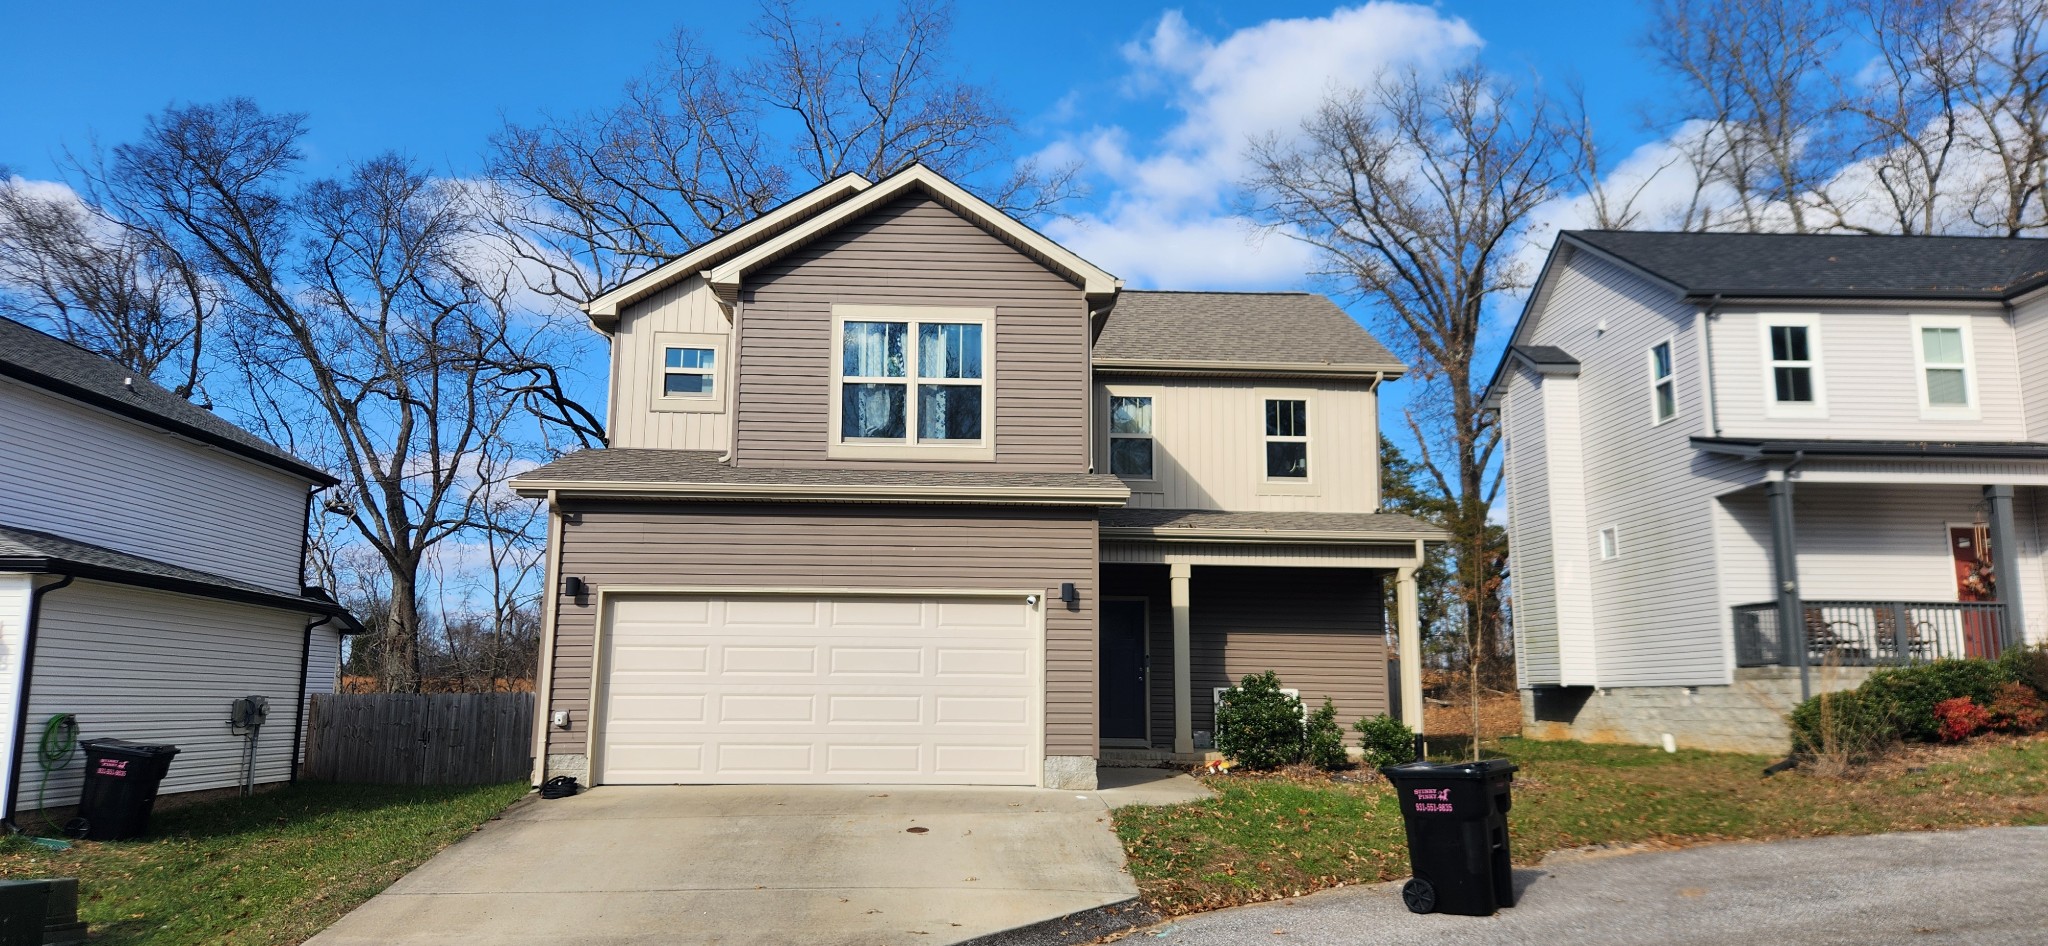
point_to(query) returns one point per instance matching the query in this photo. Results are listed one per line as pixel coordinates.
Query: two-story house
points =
(150, 575)
(1741, 468)
(899, 490)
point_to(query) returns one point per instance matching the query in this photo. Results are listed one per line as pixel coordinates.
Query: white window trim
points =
(910, 448)
(1670, 347)
(1928, 410)
(1152, 485)
(721, 385)
(1608, 542)
(1816, 361)
(1286, 485)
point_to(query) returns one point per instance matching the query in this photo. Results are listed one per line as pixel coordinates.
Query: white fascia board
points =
(1094, 281)
(607, 306)
(787, 492)
(1255, 537)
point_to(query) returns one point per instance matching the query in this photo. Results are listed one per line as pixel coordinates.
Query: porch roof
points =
(1291, 527)
(703, 474)
(1764, 448)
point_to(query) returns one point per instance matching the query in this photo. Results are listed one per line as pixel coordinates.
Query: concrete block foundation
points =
(1748, 715)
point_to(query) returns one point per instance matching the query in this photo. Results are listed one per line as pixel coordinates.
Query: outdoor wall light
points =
(1068, 593)
(573, 586)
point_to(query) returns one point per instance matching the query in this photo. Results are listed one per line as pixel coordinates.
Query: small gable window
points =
(689, 372)
(1663, 388)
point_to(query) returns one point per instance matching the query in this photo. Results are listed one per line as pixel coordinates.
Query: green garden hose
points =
(59, 744)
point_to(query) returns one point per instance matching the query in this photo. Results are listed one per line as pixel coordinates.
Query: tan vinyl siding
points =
(912, 251)
(837, 547)
(88, 475)
(1208, 447)
(688, 306)
(1867, 375)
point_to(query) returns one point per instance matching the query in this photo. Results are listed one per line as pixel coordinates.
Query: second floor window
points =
(1130, 437)
(1792, 367)
(1944, 365)
(911, 381)
(689, 372)
(1286, 439)
(1663, 388)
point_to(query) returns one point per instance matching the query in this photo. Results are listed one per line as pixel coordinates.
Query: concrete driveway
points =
(1979, 887)
(758, 864)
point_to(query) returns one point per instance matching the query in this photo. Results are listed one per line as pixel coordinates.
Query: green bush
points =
(2028, 665)
(1849, 725)
(1324, 738)
(1258, 725)
(1386, 740)
(1911, 692)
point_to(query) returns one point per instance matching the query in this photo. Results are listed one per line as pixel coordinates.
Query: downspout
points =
(22, 686)
(732, 394)
(543, 676)
(1088, 410)
(299, 716)
(1709, 315)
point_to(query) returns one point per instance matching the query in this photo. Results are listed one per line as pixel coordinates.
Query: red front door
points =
(1970, 546)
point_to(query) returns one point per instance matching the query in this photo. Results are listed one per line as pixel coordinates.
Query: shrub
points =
(1324, 739)
(1846, 727)
(1386, 740)
(2016, 708)
(1959, 719)
(1912, 692)
(1258, 725)
(2027, 665)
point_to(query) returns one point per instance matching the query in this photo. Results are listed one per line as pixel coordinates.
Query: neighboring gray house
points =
(899, 490)
(150, 563)
(1679, 407)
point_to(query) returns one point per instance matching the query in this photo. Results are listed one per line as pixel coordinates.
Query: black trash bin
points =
(1457, 820)
(121, 778)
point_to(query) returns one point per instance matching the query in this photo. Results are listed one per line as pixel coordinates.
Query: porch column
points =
(2005, 564)
(1409, 626)
(1785, 556)
(1183, 664)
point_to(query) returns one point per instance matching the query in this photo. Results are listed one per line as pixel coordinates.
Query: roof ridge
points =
(1842, 236)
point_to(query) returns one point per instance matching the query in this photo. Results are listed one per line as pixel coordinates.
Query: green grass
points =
(1267, 837)
(275, 868)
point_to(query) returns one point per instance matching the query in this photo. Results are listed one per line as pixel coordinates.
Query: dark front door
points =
(1122, 669)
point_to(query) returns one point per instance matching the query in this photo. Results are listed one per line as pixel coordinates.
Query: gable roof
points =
(1828, 265)
(1239, 332)
(55, 365)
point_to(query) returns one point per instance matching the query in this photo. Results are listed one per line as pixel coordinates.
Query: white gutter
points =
(784, 492)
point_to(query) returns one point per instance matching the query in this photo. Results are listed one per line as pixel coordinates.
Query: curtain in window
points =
(949, 411)
(874, 349)
(871, 411)
(946, 350)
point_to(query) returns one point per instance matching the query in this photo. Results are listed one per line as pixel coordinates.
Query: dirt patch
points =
(1500, 714)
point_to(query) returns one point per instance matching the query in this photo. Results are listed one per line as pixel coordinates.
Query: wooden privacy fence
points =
(419, 738)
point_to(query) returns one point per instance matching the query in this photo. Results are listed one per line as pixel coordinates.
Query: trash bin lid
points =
(1484, 768)
(128, 748)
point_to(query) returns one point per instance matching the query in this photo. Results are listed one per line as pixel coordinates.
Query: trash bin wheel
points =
(77, 827)
(1418, 895)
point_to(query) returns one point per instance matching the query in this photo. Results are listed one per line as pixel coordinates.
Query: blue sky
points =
(1154, 97)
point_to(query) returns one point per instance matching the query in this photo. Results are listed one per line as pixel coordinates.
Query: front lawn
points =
(1269, 837)
(275, 868)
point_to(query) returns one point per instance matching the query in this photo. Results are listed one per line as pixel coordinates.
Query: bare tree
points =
(369, 332)
(1754, 89)
(1909, 135)
(702, 144)
(2008, 117)
(1417, 193)
(102, 283)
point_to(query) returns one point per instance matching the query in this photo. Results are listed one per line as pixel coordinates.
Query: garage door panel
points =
(852, 689)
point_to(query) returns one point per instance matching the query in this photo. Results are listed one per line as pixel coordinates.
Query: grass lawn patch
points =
(1270, 837)
(275, 868)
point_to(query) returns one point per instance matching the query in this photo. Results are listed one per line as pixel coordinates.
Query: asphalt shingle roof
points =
(56, 365)
(1281, 328)
(33, 549)
(1547, 355)
(1391, 523)
(1821, 265)
(628, 465)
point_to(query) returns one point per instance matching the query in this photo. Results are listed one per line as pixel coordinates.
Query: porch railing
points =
(1870, 633)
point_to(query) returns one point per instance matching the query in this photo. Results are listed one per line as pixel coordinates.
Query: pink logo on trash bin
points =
(1433, 800)
(115, 768)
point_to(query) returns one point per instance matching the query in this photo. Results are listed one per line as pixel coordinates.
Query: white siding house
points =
(1661, 387)
(150, 575)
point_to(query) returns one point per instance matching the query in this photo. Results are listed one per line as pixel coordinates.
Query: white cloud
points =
(1168, 220)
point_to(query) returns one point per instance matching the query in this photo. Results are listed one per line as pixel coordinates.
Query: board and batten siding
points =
(854, 548)
(1533, 586)
(1208, 444)
(1656, 607)
(1867, 376)
(157, 667)
(912, 251)
(88, 475)
(687, 307)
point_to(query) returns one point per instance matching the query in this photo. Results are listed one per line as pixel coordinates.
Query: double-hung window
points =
(1947, 381)
(1663, 387)
(912, 378)
(1286, 439)
(689, 372)
(1792, 356)
(1130, 436)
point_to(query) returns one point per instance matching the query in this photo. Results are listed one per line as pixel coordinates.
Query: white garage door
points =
(940, 690)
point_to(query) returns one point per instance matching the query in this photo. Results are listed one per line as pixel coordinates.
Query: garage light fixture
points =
(1068, 593)
(573, 586)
